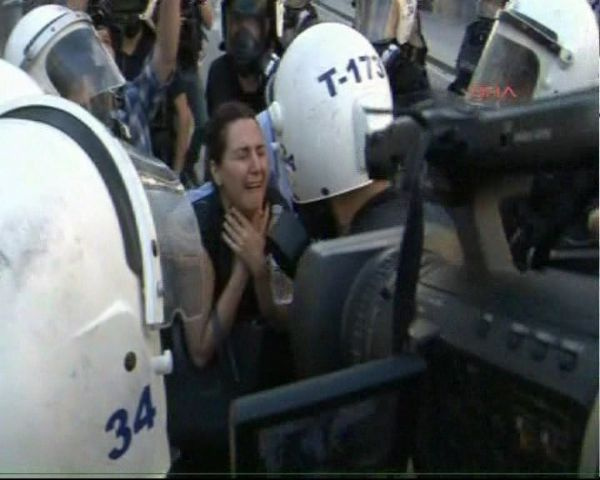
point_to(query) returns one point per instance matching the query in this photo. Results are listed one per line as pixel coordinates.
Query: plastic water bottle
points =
(282, 287)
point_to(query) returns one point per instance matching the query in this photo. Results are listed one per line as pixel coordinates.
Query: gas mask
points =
(247, 51)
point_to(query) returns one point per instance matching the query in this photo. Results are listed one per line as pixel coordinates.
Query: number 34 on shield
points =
(119, 422)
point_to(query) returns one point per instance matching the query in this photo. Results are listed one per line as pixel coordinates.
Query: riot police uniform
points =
(394, 29)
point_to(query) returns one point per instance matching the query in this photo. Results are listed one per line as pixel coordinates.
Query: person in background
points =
(133, 35)
(77, 62)
(474, 40)
(143, 95)
(394, 29)
(178, 128)
(298, 15)
(241, 73)
(137, 35)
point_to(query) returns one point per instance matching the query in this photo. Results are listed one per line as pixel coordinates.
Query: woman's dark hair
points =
(216, 128)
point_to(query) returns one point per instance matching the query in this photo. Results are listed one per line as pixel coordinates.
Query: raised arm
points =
(167, 39)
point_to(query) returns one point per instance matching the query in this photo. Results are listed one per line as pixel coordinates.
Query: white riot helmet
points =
(385, 20)
(538, 48)
(326, 79)
(59, 48)
(15, 83)
(94, 258)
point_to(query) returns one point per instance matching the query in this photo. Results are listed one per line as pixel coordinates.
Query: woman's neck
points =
(227, 205)
(224, 200)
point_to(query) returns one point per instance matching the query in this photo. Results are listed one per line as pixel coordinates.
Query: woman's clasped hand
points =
(247, 239)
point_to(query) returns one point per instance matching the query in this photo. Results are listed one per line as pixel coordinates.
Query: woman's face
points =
(243, 173)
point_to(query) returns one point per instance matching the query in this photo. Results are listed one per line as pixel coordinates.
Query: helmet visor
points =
(82, 70)
(507, 73)
(375, 19)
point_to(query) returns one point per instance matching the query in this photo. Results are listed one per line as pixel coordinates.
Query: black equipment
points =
(512, 372)
(288, 239)
(512, 379)
(314, 425)
(473, 141)
(340, 416)
(326, 274)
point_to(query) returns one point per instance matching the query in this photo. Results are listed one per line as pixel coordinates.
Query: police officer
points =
(340, 75)
(63, 52)
(394, 29)
(111, 276)
(345, 96)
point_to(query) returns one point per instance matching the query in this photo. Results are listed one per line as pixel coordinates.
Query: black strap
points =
(420, 32)
(409, 258)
